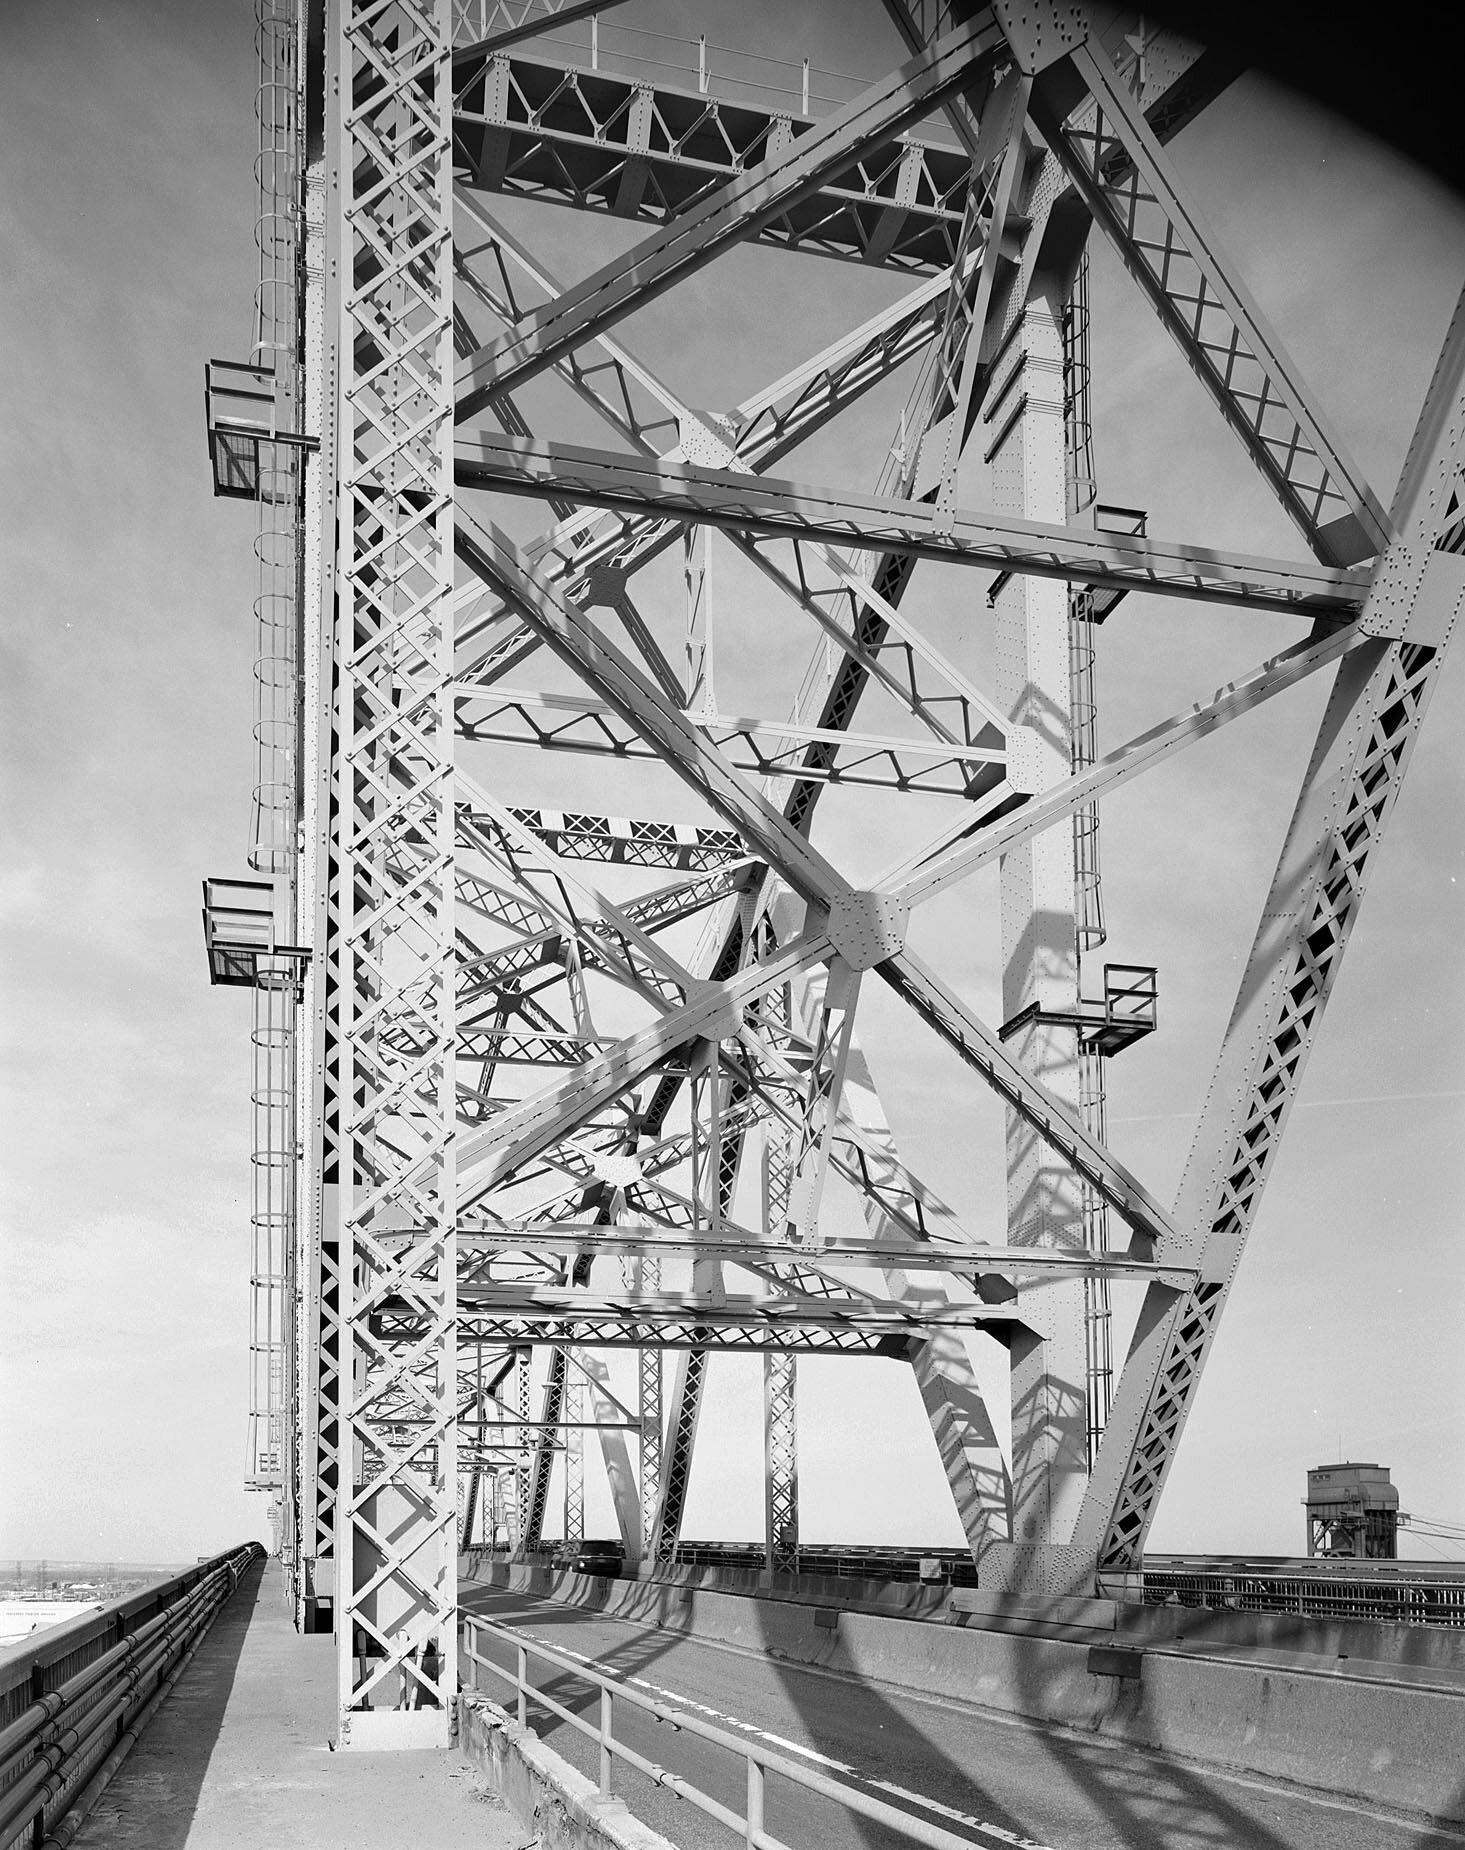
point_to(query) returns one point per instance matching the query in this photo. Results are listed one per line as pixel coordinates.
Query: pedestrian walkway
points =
(238, 1758)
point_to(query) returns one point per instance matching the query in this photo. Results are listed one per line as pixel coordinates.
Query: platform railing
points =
(74, 1697)
(615, 1693)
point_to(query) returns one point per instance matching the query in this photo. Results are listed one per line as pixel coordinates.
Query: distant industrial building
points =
(1352, 1510)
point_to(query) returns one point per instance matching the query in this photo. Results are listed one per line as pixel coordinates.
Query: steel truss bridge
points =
(533, 1083)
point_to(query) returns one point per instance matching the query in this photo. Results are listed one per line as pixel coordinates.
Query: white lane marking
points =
(995, 1831)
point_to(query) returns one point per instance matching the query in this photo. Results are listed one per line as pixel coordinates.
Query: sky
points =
(127, 139)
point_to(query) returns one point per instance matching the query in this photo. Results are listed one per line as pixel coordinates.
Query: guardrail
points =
(615, 1692)
(1391, 1593)
(930, 1566)
(74, 1698)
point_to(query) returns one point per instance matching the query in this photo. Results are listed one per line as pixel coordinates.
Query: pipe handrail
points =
(759, 1761)
(71, 1697)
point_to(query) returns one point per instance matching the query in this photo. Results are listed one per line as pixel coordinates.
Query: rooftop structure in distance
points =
(1352, 1509)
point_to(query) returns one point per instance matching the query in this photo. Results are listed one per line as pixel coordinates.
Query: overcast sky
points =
(126, 138)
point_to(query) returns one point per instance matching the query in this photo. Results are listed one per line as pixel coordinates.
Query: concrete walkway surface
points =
(237, 1758)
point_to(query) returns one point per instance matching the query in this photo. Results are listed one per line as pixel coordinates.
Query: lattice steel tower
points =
(558, 878)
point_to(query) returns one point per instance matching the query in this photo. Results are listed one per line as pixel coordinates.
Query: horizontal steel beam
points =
(599, 141)
(631, 842)
(776, 507)
(760, 747)
(598, 1239)
(802, 1338)
(746, 1312)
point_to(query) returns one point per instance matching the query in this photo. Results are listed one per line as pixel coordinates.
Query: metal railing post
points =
(606, 1739)
(522, 1684)
(754, 1827)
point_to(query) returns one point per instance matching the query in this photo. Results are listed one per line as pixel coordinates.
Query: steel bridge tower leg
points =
(688, 1371)
(388, 89)
(1040, 962)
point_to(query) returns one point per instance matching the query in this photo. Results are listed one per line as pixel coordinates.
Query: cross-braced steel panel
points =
(396, 1496)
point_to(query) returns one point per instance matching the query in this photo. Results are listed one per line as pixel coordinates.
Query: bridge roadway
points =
(995, 1779)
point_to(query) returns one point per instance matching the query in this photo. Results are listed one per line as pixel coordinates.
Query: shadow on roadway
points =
(1147, 1800)
(889, 1745)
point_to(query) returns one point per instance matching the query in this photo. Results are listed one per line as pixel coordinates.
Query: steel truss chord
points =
(767, 505)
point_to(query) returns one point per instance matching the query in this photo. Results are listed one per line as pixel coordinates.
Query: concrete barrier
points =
(562, 1808)
(1369, 1728)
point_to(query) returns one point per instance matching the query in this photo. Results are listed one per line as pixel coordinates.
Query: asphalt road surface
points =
(991, 1779)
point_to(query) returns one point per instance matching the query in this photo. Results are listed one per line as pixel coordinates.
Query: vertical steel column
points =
(1025, 410)
(272, 848)
(545, 1443)
(574, 1445)
(320, 904)
(523, 1458)
(650, 1410)
(688, 1371)
(780, 1371)
(390, 113)
(1088, 899)
(781, 1463)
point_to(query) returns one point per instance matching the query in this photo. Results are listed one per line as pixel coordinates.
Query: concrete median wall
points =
(1358, 1727)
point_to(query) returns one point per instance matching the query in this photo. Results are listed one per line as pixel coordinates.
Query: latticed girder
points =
(396, 1517)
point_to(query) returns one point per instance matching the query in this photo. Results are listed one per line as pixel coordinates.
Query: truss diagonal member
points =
(682, 745)
(534, 850)
(764, 426)
(771, 505)
(1365, 741)
(909, 977)
(965, 847)
(734, 212)
(614, 1452)
(615, 400)
(1122, 174)
(688, 753)
(1007, 111)
(521, 1131)
(981, 719)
